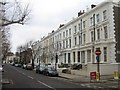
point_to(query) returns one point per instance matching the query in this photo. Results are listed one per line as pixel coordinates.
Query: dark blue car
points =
(50, 71)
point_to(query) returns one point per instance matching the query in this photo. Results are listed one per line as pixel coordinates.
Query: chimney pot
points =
(92, 6)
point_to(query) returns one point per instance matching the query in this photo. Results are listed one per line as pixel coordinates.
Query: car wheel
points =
(47, 74)
(39, 72)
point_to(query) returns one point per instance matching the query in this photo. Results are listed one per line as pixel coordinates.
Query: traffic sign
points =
(98, 52)
(97, 58)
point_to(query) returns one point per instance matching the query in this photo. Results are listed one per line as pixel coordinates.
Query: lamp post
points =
(56, 61)
(39, 61)
(20, 53)
(98, 52)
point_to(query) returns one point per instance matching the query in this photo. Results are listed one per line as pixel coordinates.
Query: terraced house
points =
(77, 40)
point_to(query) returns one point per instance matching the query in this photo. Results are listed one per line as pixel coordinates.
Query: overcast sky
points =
(46, 15)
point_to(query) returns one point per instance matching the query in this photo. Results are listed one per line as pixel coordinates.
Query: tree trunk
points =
(33, 63)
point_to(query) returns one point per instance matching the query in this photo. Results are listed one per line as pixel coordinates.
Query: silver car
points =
(40, 69)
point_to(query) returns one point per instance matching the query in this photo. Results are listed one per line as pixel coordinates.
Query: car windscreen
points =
(51, 69)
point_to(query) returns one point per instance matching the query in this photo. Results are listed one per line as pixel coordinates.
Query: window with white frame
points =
(78, 56)
(75, 29)
(60, 35)
(92, 36)
(55, 38)
(69, 58)
(74, 57)
(70, 31)
(70, 42)
(104, 14)
(105, 54)
(84, 24)
(64, 57)
(79, 40)
(84, 39)
(63, 44)
(82, 56)
(91, 21)
(66, 33)
(75, 40)
(79, 27)
(105, 32)
(66, 43)
(98, 34)
(60, 46)
(98, 18)
(63, 34)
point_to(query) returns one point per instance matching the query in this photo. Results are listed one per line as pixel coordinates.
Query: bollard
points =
(97, 76)
(116, 76)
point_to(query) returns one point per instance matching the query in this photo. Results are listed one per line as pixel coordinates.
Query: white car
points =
(16, 65)
(24, 66)
(1, 69)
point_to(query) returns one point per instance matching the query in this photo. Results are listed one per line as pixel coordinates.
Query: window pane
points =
(105, 54)
(105, 32)
(104, 15)
(98, 34)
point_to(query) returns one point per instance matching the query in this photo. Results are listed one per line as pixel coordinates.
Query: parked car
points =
(40, 69)
(24, 66)
(18, 65)
(12, 63)
(1, 68)
(50, 71)
(29, 67)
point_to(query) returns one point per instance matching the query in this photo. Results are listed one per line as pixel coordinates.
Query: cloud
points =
(46, 16)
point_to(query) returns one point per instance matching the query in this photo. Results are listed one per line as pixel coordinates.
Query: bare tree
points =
(14, 12)
(6, 47)
(53, 51)
(35, 50)
(10, 13)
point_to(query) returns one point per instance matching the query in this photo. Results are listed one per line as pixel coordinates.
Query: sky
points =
(45, 16)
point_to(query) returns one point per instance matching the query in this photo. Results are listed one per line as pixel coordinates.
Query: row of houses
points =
(77, 40)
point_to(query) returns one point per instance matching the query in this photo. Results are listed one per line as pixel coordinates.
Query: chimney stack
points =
(92, 6)
(80, 13)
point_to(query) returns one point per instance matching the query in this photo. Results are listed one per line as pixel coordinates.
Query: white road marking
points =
(30, 77)
(11, 81)
(23, 73)
(82, 84)
(46, 85)
(88, 86)
(99, 87)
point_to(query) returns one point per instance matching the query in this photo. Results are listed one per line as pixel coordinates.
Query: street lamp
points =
(39, 61)
(56, 61)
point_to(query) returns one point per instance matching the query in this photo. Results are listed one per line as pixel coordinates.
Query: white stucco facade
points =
(75, 43)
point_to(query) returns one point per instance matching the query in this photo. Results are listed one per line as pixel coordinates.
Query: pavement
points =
(85, 79)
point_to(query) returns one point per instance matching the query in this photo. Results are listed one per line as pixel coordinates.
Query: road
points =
(16, 77)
